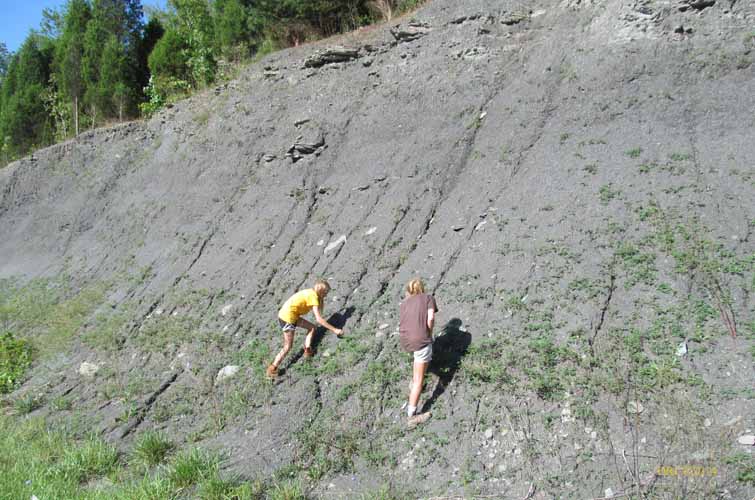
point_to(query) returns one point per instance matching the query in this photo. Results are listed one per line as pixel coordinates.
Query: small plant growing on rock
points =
(152, 448)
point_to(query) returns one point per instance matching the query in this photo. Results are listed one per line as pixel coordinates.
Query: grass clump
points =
(94, 458)
(192, 467)
(152, 449)
(27, 404)
(634, 152)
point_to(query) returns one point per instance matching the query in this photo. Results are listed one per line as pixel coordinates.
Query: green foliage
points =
(607, 193)
(193, 466)
(27, 403)
(24, 122)
(15, 357)
(5, 57)
(639, 266)
(485, 363)
(160, 332)
(47, 313)
(634, 152)
(324, 447)
(744, 465)
(152, 448)
(93, 458)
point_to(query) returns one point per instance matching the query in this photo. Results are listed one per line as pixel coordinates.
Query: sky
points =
(18, 17)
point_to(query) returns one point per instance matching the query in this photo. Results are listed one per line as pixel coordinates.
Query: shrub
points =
(15, 357)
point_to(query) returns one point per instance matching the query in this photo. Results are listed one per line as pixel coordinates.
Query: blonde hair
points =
(415, 287)
(321, 286)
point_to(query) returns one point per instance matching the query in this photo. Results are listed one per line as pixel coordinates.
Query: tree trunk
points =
(76, 114)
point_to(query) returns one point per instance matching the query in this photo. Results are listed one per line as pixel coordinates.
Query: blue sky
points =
(18, 17)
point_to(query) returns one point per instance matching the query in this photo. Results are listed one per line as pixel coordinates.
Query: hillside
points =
(574, 181)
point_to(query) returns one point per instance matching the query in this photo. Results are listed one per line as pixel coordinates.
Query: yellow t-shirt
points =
(298, 305)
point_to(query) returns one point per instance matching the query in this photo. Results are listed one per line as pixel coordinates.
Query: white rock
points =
(489, 433)
(747, 439)
(371, 231)
(707, 422)
(320, 243)
(682, 349)
(225, 309)
(608, 493)
(479, 225)
(226, 373)
(332, 246)
(384, 326)
(87, 369)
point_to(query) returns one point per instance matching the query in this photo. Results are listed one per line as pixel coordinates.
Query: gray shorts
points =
(424, 355)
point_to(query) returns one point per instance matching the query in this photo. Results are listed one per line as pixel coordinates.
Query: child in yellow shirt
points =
(290, 316)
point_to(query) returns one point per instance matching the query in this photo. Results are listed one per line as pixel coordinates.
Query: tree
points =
(153, 32)
(193, 23)
(24, 122)
(233, 37)
(70, 53)
(123, 20)
(52, 22)
(170, 57)
(112, 78)
(4, 60)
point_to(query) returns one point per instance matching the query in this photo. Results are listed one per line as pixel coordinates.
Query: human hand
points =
(338, 332)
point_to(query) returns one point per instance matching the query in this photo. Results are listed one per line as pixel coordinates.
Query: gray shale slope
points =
(575, 182)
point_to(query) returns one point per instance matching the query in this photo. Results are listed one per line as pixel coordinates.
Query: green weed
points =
(152, 448)
(634, 152)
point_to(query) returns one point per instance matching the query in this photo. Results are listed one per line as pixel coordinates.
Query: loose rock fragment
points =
(87, 369)
(330, 55)
(335, 244)
(226, 373)
(412, 32)
(511, 18)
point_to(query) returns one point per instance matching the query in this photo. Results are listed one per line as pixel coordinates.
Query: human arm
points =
(324, 323)
(430, 321)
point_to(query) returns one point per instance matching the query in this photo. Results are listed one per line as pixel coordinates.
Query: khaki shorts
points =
(424, 355)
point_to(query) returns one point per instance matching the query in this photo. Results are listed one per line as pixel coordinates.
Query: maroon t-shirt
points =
(413, 332)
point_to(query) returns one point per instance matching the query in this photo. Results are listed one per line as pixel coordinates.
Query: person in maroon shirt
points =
(416, 320)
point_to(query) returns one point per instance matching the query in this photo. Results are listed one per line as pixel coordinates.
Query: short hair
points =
(415, 287)
(322, 286)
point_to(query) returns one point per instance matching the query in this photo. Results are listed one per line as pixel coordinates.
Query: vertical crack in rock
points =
(603, 310)
(145, 407)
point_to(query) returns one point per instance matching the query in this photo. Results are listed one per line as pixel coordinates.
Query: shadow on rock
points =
(448, 350)
(337, 319)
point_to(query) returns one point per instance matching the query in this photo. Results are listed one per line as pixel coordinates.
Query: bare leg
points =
(288, 341)
(303, 323)
(418, 379)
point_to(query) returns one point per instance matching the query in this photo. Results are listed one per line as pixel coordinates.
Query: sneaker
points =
(419, 418)
(308, 352)
(272, 371)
